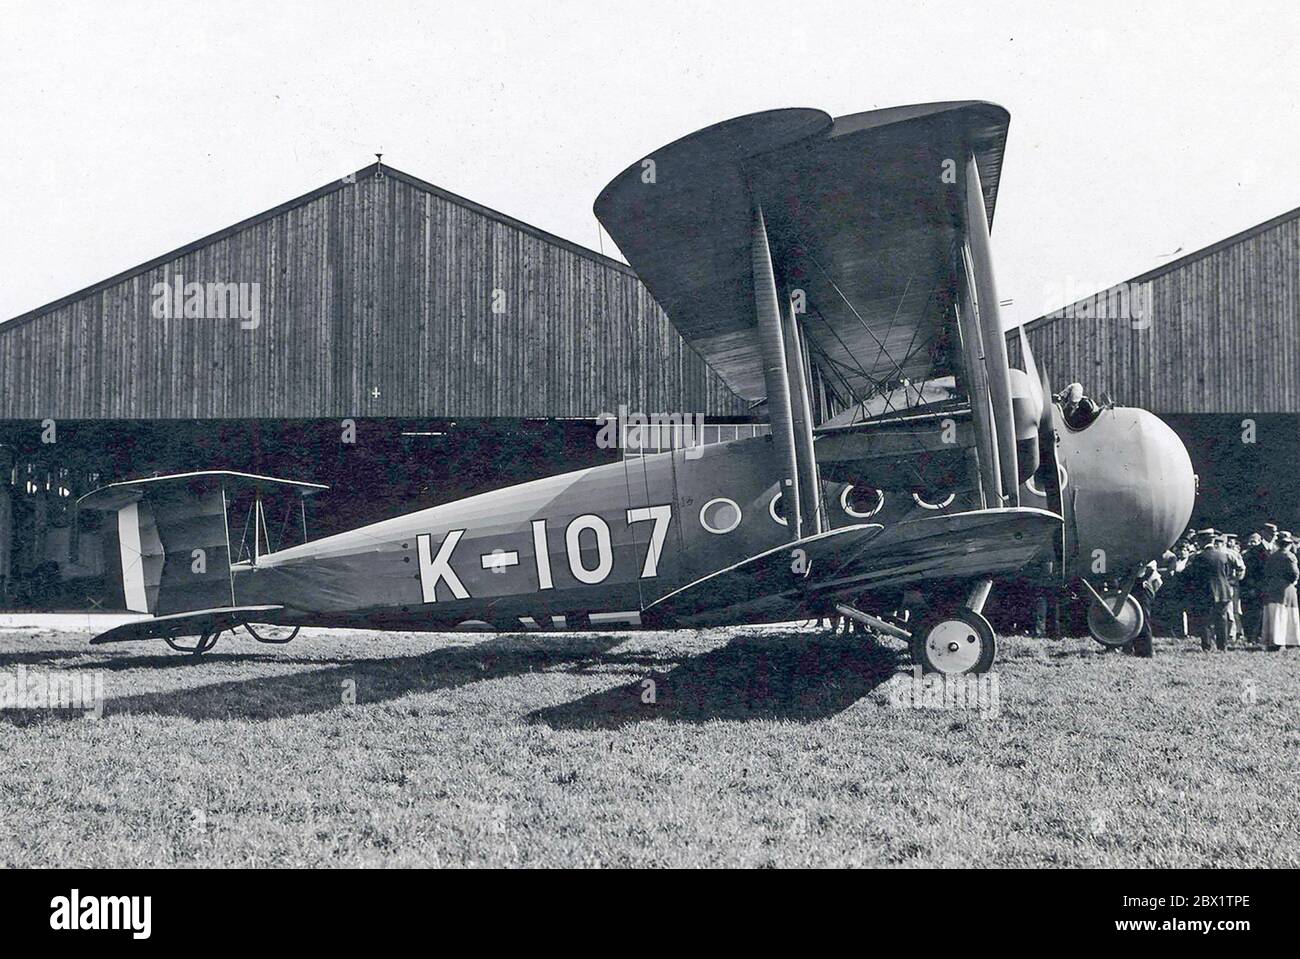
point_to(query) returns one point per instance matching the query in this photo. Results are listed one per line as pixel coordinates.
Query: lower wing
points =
(797, 579)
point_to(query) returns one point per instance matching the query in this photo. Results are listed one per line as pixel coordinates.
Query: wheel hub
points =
(953, 646)
(1118, 628)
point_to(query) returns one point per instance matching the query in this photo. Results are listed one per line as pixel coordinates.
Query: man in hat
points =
(1254, 558)
(1230, 542)
(1176, 594)
(1212, 576)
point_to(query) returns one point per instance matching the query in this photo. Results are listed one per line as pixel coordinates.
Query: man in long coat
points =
(1252, 601)
(1212, 577)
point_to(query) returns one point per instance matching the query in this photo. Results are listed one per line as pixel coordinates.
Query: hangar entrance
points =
(55, 556)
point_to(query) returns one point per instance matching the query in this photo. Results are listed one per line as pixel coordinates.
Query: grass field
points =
(762, 748)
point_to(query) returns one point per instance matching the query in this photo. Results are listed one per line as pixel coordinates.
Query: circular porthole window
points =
(720, 515)
(776, 509)
(942, 504)
(862, 502)
(1062, 476)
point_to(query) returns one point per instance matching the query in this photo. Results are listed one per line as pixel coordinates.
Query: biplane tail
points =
(174, 541)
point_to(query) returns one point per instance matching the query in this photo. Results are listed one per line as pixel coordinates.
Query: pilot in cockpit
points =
(1077, 410)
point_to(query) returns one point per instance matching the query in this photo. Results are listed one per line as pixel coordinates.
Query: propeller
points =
(1047, 475)
(1050, 481)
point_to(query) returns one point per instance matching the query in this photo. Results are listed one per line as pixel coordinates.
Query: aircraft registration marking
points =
(436, 569)
(586, 531)
(499, 559)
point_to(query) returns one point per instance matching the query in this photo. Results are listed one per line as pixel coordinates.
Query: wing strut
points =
(994, 341)
(801, 407)
(985, 451)
(775, 376)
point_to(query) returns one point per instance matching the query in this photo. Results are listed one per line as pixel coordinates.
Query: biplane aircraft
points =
(834, 271)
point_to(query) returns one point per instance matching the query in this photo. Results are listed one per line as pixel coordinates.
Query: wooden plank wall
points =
(384, 284)
(1219, 331)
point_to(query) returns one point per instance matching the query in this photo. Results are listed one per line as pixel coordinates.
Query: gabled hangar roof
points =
(366, 172)
(1187, 259)
(375, 297)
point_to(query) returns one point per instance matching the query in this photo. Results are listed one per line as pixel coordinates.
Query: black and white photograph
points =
(650, 435)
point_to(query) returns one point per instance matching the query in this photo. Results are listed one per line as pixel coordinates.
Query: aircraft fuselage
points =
(592, 548)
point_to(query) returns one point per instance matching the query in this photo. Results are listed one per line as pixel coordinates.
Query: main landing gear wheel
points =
(1116, 629)
(953, 645)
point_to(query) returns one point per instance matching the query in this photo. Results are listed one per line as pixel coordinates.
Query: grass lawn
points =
(763, 747)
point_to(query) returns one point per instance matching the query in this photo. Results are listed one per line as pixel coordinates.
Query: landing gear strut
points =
(952, 644)
(269, 634)
(272, 635)
(204, 643)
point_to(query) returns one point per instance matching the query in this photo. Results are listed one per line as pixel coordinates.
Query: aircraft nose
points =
(1133, 488)
(1172, 481)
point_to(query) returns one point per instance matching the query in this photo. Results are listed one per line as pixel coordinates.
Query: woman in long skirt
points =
(1281, 626)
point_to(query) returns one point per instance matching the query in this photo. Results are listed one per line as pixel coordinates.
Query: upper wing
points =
(848, 562)
(863, 216)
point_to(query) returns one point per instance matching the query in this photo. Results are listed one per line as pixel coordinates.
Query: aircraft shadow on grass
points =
(320, 690)
(126, 663)
(794, 678)
(36, 657)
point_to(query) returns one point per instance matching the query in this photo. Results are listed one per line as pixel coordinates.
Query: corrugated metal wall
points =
(1215, 332)
(376, 299)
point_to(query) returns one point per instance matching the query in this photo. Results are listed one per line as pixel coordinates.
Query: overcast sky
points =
(131, 128)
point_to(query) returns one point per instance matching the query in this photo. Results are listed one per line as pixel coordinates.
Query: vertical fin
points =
(128, 540)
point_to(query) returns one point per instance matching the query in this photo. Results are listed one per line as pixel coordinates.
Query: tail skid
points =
(206, 624)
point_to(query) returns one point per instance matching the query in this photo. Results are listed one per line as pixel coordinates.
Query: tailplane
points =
(174, 540)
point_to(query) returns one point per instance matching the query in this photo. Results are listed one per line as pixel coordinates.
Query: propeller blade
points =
(1051, 479)
(1045, 385)
(1037, 381)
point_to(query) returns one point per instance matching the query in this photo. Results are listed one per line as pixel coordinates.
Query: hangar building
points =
(1211, 343)
(468, 349)
(465, 348)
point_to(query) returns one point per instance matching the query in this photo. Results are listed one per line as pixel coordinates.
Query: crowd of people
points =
(1212, 587)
